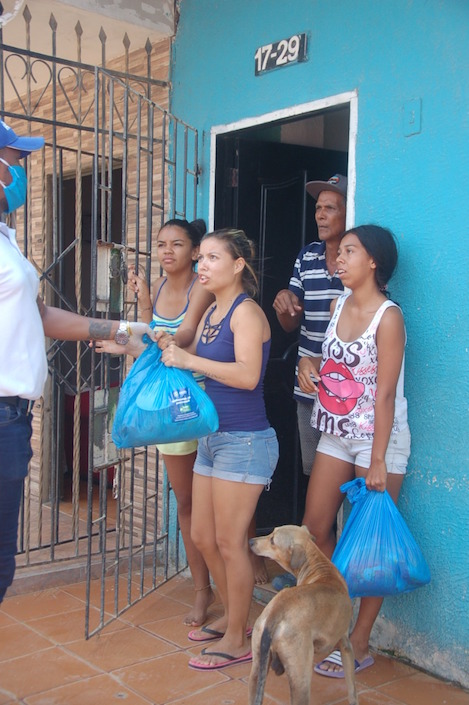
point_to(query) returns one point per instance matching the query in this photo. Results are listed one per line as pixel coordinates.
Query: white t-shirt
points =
(23, 362)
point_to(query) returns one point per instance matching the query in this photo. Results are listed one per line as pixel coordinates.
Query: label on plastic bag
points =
(182, 405)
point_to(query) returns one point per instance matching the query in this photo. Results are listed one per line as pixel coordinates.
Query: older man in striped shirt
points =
(306, 302)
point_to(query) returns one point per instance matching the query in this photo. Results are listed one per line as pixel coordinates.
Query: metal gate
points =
(151, 149)
(116, 165)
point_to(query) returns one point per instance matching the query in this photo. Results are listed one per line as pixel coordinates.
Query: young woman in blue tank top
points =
(176, 297)
(360, 406)
(234, 464)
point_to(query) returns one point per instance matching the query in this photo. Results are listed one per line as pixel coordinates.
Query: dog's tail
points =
(264, 663)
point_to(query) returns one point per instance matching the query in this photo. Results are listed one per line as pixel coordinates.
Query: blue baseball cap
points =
(25, 145)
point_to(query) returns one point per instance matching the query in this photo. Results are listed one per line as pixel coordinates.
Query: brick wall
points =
(70, 150)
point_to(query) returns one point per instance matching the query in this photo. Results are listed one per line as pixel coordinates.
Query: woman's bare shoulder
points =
(250, 313)
(393, 315)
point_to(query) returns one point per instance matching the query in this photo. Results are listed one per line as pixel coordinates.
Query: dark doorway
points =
(68, 284)
(260, 187)
(67, 362)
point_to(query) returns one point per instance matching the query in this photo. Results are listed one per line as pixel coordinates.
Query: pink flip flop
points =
(336, 659)
(211, 634)
(228, 660)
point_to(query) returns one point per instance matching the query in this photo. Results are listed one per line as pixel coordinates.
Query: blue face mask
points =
(15, 193)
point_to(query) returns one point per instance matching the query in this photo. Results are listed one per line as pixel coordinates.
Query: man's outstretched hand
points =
(134, 347)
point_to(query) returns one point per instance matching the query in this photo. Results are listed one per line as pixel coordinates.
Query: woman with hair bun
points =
(177, 297)
(234, 464)
(360, 406)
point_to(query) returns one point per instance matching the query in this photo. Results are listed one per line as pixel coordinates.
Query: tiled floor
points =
(141, 659)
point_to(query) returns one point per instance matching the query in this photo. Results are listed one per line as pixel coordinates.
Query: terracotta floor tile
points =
(42, 671)
(118, 649)
(176, 631)
(325, 691)
(330, 690)
(19, 640)
(79, 591)
(168, 678)
(171, 629)
(234, 692)
(5, 619)
(179, 588)
(124, 598)
(102, 690)
(420, 689)
(384, 670)
(142, 657)
(371, 697)
(39, 604)
(277, 687)
(152, 608)
(63, 631)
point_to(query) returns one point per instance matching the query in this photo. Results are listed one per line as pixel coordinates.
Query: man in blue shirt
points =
(306, 302)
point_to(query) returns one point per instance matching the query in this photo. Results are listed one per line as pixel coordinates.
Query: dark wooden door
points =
(260, 187)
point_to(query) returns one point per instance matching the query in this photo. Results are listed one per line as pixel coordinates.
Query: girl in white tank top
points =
(360, 408)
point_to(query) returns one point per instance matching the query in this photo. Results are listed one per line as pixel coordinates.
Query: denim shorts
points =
(238, 456)
(358, 451)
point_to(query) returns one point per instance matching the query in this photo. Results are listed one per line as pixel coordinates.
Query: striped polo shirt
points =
(315, 288)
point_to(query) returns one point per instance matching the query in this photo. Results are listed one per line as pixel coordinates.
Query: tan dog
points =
(299, 621)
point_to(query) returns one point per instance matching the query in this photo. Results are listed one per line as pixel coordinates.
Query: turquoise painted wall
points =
(391, 52)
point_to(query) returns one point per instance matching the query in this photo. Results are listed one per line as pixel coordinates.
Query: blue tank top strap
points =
(165, 279)
(182, 313)
(238, 300)
(171, 325)
(190, 288)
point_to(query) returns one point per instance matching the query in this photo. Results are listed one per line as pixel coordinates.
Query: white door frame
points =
(350, 97)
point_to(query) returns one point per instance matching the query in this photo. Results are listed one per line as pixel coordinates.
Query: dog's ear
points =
(307, 531)
(297, 556)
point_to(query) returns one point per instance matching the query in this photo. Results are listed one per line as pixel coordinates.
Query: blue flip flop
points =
(336, 659)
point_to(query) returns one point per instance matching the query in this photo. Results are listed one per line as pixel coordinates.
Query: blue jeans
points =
(15, 454)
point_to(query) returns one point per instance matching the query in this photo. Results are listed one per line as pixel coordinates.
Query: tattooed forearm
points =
(100, 330)
(212, 375)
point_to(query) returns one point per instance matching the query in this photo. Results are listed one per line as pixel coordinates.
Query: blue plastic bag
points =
(376, 553)
(159, 404)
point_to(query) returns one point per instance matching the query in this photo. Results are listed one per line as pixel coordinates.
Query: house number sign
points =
(282, 53)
